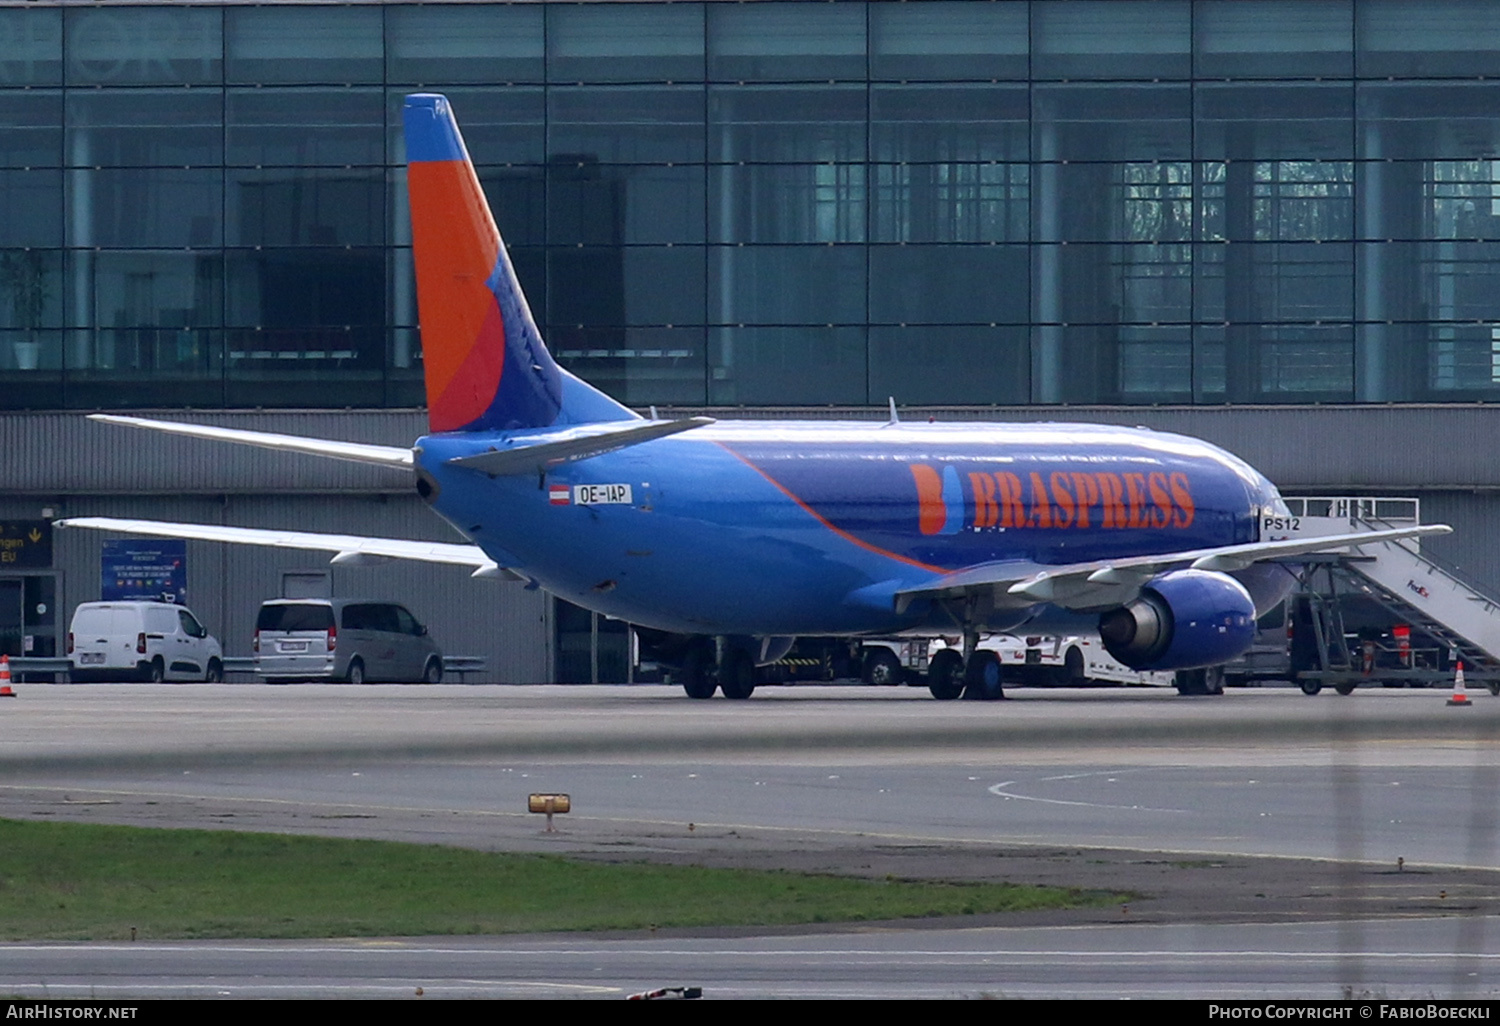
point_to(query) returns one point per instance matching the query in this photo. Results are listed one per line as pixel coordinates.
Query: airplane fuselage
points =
(810, 527)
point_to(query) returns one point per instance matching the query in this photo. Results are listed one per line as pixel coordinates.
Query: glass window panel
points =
(1102, 284)
(624, 42)
(144, 289)
(949, 284)
(31, 46)
(1126, 122)
(1111, 39)
(766, 123)
(1275, 121)
(1459, 360)
(145, 366)
(1299, 362)
(948, 40)
(787, 203)
(30, 364)
(31, 289)
(945, 365)
(155, 207)
(620, 285)
(1280, 281)
(1154, 364)
(268, 207)
(305, 127)
(480, 43)
(500, 126)
(161, 44)
(786, 284)
(1281, 38)
(1436, 38)
(949, 123)
(1429, 120)
(1455, 281)
(294, 289)
(787, 366)
(626, 124)
(769, 42)
(638, 365)
(591, 203)
(1461, 198)
(31, 208)
(304, 44)
(1140, 201)
(951, 202)
(145, 127)
(33, 128)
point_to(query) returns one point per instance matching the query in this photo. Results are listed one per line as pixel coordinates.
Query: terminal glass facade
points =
(988, 202)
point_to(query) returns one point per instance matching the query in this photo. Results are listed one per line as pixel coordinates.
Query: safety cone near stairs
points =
(1460, 696)
(5, 691)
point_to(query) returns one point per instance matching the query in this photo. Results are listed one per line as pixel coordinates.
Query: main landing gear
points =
(714, 665)
(973, 673)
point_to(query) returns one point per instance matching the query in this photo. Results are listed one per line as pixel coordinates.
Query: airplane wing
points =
(529, 454)
(1106, 583)
(348, 549)
(358, 452)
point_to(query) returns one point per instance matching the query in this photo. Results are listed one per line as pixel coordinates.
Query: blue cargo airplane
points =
(724, 541)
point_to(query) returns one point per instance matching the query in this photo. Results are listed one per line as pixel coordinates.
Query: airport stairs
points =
(1418, 589)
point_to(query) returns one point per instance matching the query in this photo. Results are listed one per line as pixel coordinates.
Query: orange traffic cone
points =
(5, 691)
(1460, 696)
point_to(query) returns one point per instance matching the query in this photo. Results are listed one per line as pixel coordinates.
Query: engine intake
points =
(1182, 619)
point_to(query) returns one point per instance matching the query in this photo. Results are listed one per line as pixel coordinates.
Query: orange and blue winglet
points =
(485, 364)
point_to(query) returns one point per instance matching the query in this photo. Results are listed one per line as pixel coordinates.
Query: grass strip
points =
(69, 881)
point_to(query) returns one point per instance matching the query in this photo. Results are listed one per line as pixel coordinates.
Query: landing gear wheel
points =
(882, 667)
(738, 676)
(982, 677)
(695, 677)
(945, 675)
(1208, 680)
(1345, 689)
(1309, 686)
(1072, 671)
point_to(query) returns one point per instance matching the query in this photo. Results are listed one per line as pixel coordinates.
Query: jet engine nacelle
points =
(1182, 619)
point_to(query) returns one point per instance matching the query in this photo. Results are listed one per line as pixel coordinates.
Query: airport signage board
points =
(25, 544)
(143, 568)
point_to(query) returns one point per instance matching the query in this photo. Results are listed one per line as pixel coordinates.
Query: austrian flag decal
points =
(559, 494)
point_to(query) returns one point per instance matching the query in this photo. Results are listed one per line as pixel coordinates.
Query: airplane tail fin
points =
(486, 366)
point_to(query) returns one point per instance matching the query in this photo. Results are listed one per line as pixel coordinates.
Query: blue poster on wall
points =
(144, 568)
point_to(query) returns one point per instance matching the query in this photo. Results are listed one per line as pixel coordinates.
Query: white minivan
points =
(152, 641)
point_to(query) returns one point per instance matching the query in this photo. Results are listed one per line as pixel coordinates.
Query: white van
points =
(152, 641)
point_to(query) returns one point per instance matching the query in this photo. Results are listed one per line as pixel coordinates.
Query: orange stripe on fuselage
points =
(820, 519)
(455, 245)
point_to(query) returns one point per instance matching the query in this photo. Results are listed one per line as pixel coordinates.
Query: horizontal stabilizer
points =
(530, 454)
(357, 452)
(348, 549)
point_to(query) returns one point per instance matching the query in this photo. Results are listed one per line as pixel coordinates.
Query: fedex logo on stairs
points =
(950, 500)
